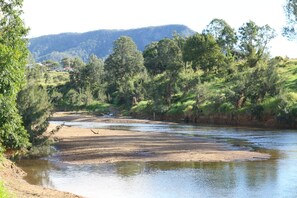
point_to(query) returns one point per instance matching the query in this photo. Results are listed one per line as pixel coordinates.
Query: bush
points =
(257, 111)
(98, 107)
(181, 108)
(226, 107)
(287, 111)
(142, 106)
(35, 108)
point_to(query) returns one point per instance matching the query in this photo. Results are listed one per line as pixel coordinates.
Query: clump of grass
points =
(4, 193)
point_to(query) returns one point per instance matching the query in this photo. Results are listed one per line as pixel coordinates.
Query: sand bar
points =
(93, 146)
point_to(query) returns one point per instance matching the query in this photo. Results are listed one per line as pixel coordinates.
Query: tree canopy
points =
(125, 71)
(13, 56)
(290, 29)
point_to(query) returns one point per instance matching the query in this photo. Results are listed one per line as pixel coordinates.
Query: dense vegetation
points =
(219, 74)
(13, 56)
(56, 47)
(24, 104)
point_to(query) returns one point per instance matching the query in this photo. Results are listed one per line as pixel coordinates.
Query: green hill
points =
(100, 42)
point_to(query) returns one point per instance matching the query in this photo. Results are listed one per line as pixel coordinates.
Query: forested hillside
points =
(56, 47)
(221, 75)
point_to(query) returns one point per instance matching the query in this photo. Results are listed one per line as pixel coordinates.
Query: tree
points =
(124, 67)
(290, 29)
(151, 59)
(164, 61)
(76, 74)
(223, 33)
(203, 52)
(35, 108)
(13, 56)
(93, 77)
(253, 41)
(254, 84)
(162, 56)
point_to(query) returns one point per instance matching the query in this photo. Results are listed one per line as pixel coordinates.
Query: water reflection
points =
(38, 171)
(226, 179)
(276, 177)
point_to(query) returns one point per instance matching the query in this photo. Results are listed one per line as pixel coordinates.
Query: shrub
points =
(287, 109)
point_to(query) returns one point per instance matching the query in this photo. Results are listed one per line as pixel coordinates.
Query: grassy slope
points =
(184, 105)
(55, 78)
(289, 73)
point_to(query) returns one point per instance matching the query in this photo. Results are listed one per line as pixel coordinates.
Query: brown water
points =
(276, 177)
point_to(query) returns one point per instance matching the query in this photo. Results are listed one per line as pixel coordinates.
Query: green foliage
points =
(224, 35)
(288, 108)
(289, 30)
(181, 108)
(126, 72)
(35, 108)
(4, 193)
(77, 98)
(219, 73)
(93, 78)
(1, 151)
(257, 111)
(203, 52)
(253, 42)
(143, 108)
(13, 56)
(163, 56)
(288, 70)
(226, 107)
(98, 107)
(165, 65)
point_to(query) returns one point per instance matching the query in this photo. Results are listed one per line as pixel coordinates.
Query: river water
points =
(276, 177)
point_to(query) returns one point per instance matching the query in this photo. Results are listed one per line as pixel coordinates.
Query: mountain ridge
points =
(98, 42)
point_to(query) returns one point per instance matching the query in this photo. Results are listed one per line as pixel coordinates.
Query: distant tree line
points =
(218, 71)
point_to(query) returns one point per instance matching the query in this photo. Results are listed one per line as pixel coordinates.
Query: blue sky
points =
(56, 16)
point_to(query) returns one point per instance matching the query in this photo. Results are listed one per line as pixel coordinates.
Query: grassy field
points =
(54, 78)
(289, 75)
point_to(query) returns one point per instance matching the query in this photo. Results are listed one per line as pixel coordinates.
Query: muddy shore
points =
(91, 146)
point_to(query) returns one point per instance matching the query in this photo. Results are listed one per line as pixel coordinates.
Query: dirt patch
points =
(12, 176)
(89, 146)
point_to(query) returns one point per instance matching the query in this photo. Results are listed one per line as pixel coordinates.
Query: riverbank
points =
(12, 177)
(91, 146)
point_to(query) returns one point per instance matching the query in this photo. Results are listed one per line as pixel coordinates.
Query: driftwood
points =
(94, 132)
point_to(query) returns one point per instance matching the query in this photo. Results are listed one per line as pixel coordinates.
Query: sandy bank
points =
(12, 177)
(83, 117)
(79, 145)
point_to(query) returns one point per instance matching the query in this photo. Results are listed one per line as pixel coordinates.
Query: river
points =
(276, 177)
